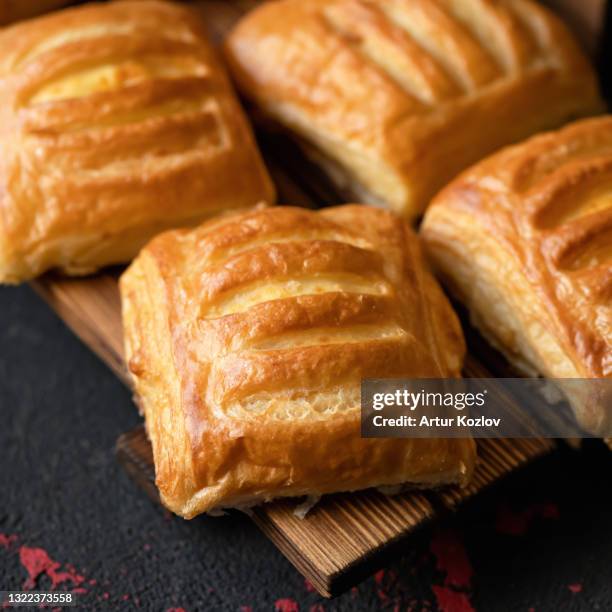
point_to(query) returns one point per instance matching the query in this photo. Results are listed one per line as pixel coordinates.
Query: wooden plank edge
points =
(44, 287)
(333, 583)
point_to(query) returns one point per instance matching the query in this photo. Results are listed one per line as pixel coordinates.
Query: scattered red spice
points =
(246, 609)
(449, 600)
(6, 541)
(105, 595)
(575, 588)
(384, 598)
(286, 605)
(516, 523)
(176, 610)
(317, 608)
(308, 586)
(37, 562)
(379, 577)
(452, 559)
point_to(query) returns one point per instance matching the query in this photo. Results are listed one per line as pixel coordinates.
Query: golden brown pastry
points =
(247, 339)
(116, 121)
(524, 238)
(395, 97)
(13, 10)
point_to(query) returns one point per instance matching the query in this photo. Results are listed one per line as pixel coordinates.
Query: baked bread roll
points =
(116, 121)
(247, 339)
(524, 238)
(13, 10)
(394, 98)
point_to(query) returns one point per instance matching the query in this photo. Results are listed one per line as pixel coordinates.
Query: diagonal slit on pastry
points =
(247, 339)
(524, 238)
(117, 121)
(394, 98)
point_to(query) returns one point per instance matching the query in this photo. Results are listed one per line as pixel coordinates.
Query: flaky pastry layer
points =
(398, 96)
(525, 240)
(247, 339)
(117, 121)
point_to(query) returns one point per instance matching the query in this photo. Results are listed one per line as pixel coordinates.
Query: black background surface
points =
(61, 490)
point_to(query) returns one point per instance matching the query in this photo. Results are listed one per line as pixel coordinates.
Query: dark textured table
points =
(70, 518)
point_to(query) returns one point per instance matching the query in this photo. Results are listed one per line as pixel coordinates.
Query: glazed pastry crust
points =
(397, 97)
(116, 121)
(525, 240)
(247, 339)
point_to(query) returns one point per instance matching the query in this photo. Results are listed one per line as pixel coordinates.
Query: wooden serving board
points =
(344, 537)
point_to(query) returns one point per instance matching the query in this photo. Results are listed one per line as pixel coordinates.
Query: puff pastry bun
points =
(525, 239)
(395, 97)
(116, 121)
(247, 339)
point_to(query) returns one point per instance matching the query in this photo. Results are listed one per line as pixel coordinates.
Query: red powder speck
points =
(379, 576)
(451, 601)
(105, 595)
(79, 591)
(37, 562)
(317, 608)
(6, 541)
(452, 559)
(246, 609)
(308, 586)
(515, 523)
(286, 605)
(147, 547)
(93, 582)
(176, 610)
(575, 588)
(125, 597)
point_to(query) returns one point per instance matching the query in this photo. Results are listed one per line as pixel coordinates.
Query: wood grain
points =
(346, 537)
